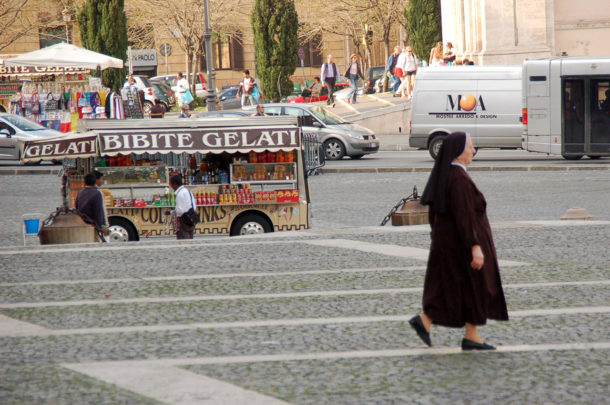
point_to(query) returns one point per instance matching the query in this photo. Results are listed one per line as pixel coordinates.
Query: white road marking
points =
(213, 276)
(41, 331)
(301, 294)
(389, 250)
(172, 385)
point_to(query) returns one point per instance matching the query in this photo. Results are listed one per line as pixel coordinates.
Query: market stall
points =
(53, 87)
(247, 176)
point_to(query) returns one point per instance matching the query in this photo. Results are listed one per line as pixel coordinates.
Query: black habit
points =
(454, 292)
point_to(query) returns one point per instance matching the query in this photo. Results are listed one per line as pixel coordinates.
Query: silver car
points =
(14, 128)
(339, 137)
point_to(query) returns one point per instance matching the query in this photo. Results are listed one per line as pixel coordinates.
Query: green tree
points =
(424, 25)
(275, 25)
(103, 29)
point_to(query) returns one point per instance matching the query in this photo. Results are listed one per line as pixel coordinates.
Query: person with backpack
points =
(390, 68)
(185, 227)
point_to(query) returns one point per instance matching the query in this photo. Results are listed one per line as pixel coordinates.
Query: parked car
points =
(200, 83)
(228, 99)
(322, 97)
(339, 137)
(224, 114)
(14, 128)
(164, 94)
(373, 79)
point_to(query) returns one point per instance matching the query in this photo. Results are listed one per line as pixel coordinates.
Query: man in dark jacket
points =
(90, 202)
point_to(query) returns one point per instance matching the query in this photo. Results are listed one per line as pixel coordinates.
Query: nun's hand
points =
(477, 258)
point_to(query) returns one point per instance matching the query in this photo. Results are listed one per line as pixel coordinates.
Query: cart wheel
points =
(121, 230)
(250, 224)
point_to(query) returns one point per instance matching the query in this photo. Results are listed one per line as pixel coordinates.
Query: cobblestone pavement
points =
(297, 318)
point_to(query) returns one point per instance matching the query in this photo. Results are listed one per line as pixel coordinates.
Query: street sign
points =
(301, 53)
(165, 50)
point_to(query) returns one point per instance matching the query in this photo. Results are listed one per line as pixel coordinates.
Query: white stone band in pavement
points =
(327, 293)
(162, 380)
(173, 385)
(389, 250)
(10, 327)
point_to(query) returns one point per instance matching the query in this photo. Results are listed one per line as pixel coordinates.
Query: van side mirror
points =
(5, 132)
(316, 123)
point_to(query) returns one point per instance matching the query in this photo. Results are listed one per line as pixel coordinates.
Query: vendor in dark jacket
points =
(90, 202)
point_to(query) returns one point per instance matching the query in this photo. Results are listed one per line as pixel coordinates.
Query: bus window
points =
(573, 115)
(600, 115)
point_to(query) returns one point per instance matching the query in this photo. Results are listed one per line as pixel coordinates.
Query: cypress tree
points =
(424, 25)
(275, 25)
(103, 29)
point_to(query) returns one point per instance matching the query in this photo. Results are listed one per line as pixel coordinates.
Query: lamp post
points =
(209, 59)
(67, 17)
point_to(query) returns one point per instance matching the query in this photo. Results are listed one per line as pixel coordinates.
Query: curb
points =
(28, 171)
(470, 169)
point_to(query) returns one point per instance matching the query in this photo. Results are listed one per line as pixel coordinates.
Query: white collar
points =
(460, 165)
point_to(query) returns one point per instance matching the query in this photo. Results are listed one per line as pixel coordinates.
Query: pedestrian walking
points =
(436, 55)
(392, 61)
(182, 86)
(246, 89)
(184, 202)
(352, 73)
(329, 75)
(90, 203)
(462, 286)
(410, 69)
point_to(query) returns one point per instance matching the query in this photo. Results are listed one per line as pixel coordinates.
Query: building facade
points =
(493, 32)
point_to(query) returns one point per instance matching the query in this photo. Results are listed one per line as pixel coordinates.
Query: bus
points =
(566, 107)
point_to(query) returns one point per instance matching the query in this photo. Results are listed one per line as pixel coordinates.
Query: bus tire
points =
(250, 224)
(121, 230)
(572, 157)
(435, 145)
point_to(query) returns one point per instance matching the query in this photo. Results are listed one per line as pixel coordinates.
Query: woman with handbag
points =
(462, 286)
(352, 73)
(183, 95)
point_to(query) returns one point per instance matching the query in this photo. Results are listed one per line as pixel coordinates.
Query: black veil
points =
(435, 193)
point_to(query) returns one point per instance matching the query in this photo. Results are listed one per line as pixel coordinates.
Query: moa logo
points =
(466, 102)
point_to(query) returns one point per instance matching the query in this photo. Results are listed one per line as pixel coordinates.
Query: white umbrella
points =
(65, 55)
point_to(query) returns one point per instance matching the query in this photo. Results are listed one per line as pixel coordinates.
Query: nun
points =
(462, 286)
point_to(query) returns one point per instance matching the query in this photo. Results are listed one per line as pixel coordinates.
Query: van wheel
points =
(121, 230)
(435, 146)
(250, 224)
(594, 157)
(334, 149)
(572, 157)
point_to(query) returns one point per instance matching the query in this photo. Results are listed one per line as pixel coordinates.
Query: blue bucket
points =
(32, 225)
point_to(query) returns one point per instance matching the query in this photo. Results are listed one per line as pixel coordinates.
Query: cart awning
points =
(199, 140)
(71, 145)
(65, 55)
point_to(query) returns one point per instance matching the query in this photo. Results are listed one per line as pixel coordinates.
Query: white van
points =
(484, 101)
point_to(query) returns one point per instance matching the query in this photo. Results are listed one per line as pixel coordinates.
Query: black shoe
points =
(417, 324)
(468, 344)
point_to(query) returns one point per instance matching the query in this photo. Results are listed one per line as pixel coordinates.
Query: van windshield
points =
(22, 123)
(326, 116)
